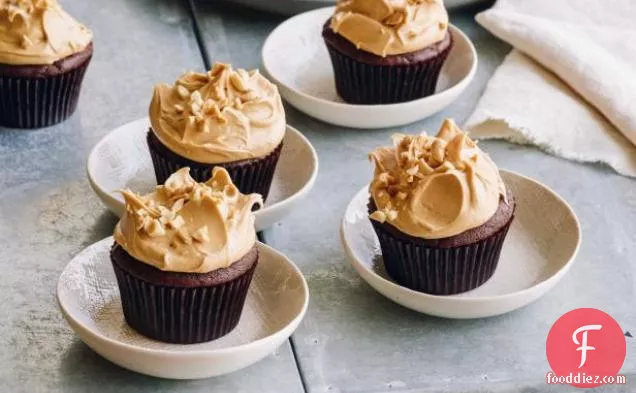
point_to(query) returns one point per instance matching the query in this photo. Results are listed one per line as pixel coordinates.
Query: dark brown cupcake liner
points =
(182, 315)
(437, 270)
(369, 84)
(35, 102)
(249, 176)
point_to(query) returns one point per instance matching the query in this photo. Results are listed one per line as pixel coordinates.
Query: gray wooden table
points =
(352, 340)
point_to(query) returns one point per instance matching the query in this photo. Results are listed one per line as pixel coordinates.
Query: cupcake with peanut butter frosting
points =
(440, 209)
(184, 256)
(224, 117)
(44, 53)
(387, 51)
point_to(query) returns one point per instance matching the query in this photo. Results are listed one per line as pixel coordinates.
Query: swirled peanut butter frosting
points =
(391, 27)
(189, 227)
(38, 32)
(220, 116)
(435, 187)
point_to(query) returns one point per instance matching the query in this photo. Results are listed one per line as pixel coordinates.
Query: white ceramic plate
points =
(89, 298)
(122, 160)
(296, 59)
(539, 250)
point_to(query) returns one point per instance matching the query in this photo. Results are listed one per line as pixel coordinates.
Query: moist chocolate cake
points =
(440, 210)
(386, 52)
(501, 218)
(345, 47)
(183, 308)
(152, 275)
(184, 257)
(62, 66)
(44, 55)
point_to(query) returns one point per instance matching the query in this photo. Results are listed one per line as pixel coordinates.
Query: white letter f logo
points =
(583, 344)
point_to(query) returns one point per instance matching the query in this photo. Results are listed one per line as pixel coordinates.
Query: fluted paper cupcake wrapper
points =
(440, 271)
(182, 315)
(40, 102)
(250, 176)
(367, 84)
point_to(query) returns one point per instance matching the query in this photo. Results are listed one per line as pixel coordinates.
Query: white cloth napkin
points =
(572, 91)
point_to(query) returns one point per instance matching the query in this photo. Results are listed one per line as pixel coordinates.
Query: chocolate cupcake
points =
(184, 257)
(387, 51)
(229, 118)
(44, 54)
(441, 211)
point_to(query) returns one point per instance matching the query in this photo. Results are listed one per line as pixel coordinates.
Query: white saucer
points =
(89, 298)
(121, 160)
(539, 250)
(296, 59)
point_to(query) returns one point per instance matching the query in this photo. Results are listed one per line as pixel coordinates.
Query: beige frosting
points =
(435, 187)
(38, 32)
(391, 27)
(221, 116)
(189, 227)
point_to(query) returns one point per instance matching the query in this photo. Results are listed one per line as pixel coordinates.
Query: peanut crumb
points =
(378, 216)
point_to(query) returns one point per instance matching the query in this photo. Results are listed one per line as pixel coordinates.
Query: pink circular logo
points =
(585, 348)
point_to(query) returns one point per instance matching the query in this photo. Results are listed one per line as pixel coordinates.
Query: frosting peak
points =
(219, 116)
(391, 27)
(38, 32)
(435, 187)
(189, 227)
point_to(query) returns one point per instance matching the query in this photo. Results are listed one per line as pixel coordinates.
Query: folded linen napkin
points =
(572, 91)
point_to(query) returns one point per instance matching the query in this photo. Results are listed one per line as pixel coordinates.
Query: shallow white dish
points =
(89, 299)
(296, 59)
(539, 250)
(122, 160)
